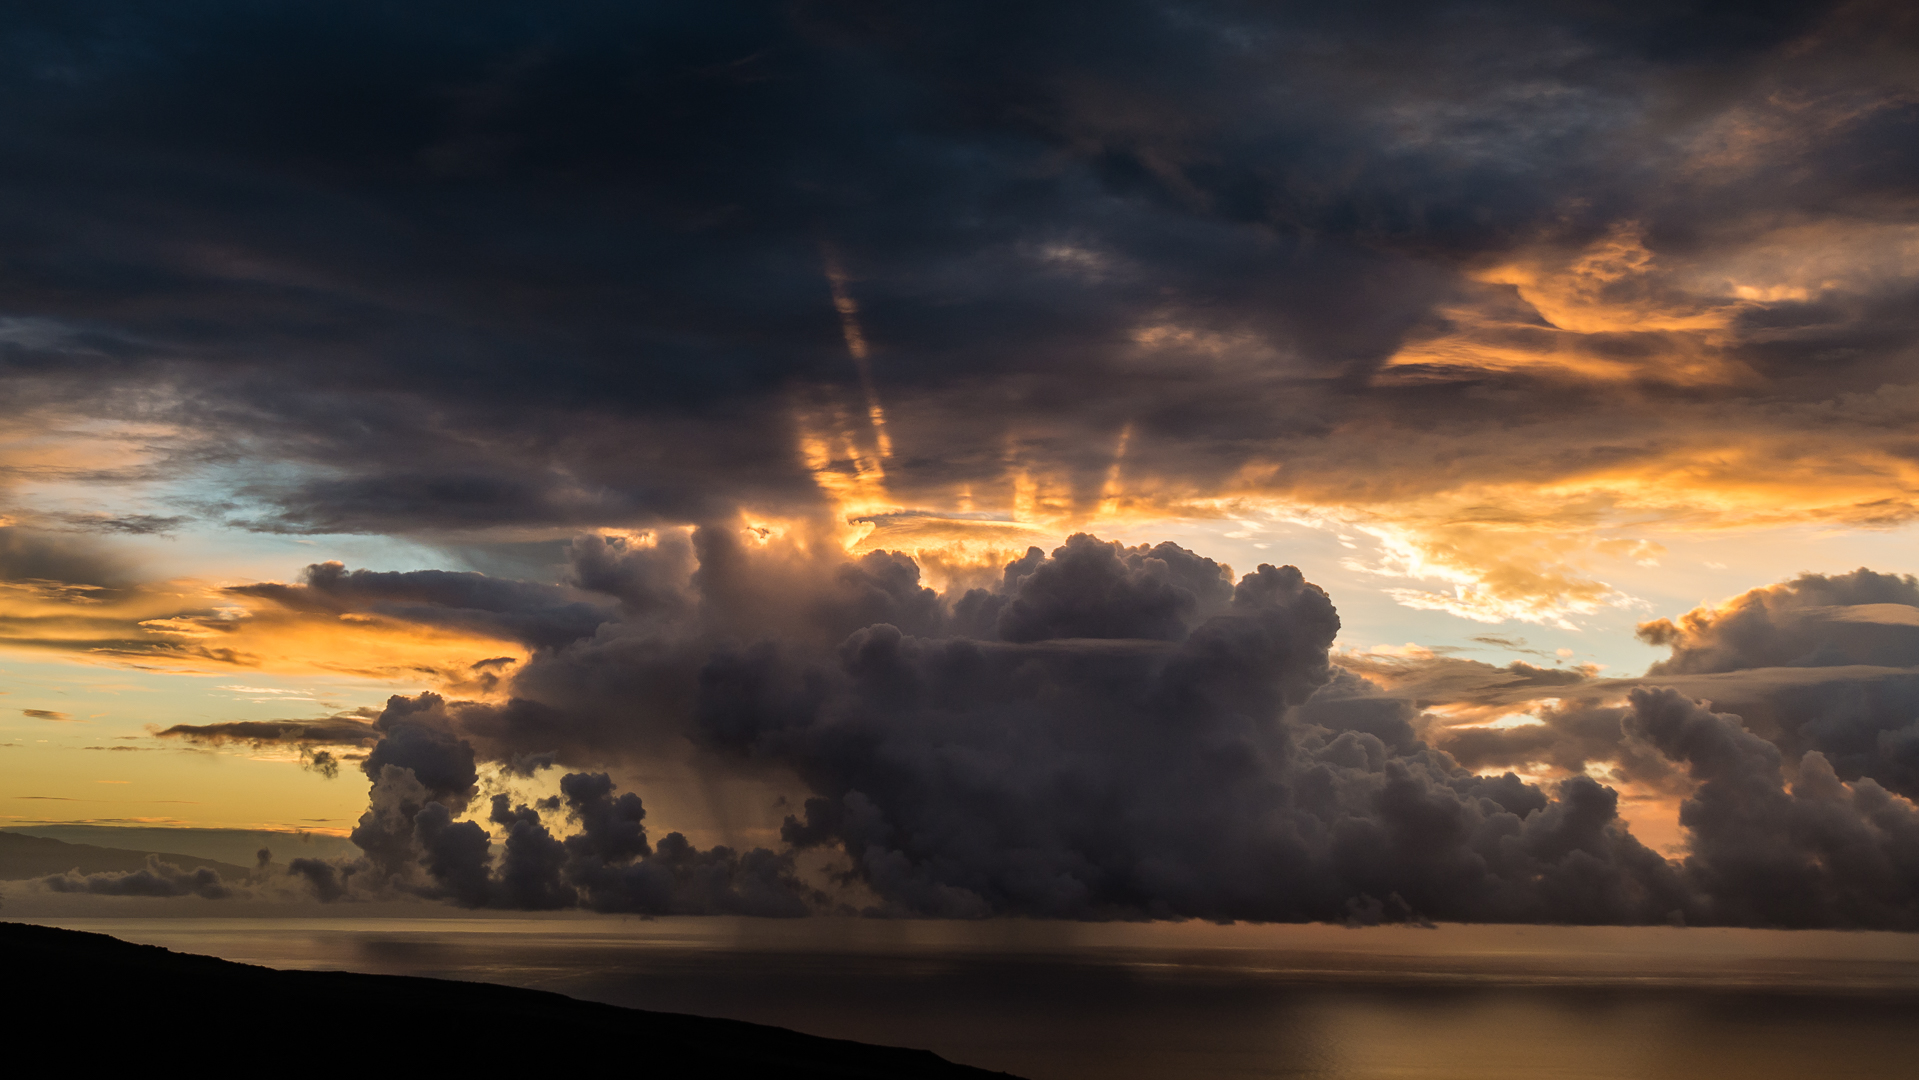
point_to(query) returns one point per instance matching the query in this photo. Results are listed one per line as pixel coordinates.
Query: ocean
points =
(1055, 1001)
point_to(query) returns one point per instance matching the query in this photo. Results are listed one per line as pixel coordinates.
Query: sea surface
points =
(1052, 1001)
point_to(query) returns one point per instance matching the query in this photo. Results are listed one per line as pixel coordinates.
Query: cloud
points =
(414, 846)
(46, 714)
(1818, 663)
(1506, 294)
(342, 730)
(1133, 777)
(1104, 731)
(448, 627)
(424, 777)
(1093, 590)
(1434, 229)
(1826, 664)
(158, 878)
(1812, 620)
(130, 524)
(507, 610)
(614, 868)
(1815, 852)
(319, 876)
(29, 556)
(1509, 644)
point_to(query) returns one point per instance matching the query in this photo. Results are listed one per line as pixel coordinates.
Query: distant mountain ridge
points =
(234, 846)
(23, 856)
(142, 996)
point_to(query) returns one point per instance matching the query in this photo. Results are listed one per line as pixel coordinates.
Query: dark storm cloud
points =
(344, 730)
(1106, 732)
(441, 270)
(625, 691)
(537, 615)
(1814, 852)
(413, 845)
(320, 876)
(1818, 663)
(1810, 621)
(1094, 590)
(615, 869)
(489, 265)
(1225, 774)
(1154, 740)
(1574, 735)
(425, 776)
(1859, 632)
(412, 740)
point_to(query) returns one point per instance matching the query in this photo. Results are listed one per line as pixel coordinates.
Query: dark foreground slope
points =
(131, 999)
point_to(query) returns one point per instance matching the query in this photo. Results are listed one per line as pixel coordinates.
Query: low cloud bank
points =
(157, 878)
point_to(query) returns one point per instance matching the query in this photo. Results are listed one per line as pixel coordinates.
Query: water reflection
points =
(1052, 1002)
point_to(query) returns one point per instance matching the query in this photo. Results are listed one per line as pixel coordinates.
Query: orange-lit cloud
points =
(849, 311)
(191, 627)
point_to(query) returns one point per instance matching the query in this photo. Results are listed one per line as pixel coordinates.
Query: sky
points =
(1366, 462)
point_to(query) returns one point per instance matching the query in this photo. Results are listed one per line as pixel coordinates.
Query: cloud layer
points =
(620, 266)
(1104, 732)
(694, 302)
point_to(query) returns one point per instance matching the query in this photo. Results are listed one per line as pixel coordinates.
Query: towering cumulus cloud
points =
(1817, 852)
(424, 777)
(1105, 732)
(1095, 771)
(1818, 663)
